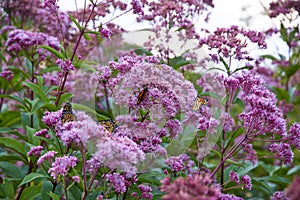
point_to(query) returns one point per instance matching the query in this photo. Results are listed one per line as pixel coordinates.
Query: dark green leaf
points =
(53, 51)
(13, 145)
(38, 91)
(281, 93)
(283, 33)
(11, 170)
(30, 135)
(143, 52)
(239, 102)
(74, 20)
(269, 57)
(32, 177)
(54, 196)
(46, 188)
(30, 193)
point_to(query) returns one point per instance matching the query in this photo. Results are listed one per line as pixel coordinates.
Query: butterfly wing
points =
(199, 101)
(67, 114)
(142, 96)
(110, 125)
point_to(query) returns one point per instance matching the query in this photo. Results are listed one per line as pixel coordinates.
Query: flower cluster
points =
(294, 135)
(245, 180)
(36, 151)
(180, 163)
(65, 65)
(117, 181)
(146, 191)
(233, 42)
(283, 7)
(190, 187)
(19, 39)
(61, 165)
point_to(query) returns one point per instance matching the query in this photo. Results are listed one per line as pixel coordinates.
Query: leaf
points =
(281, 93)
(242, 68)
(268, 57)
(80, 28)
(239, 102)
(142, 51)
(53, 196)
(225, 65)
(30, 135)
(13, 145)
(28, 65)
(38, 91)
(9, 118)
(283, 33)
(46, 188)
(64, 98)
(31, 192)
(291, 70)
(11, 170)
(294, 170)
(216, 68)
(32, 177)
(274, 179)
(50, 106)
(53, 51)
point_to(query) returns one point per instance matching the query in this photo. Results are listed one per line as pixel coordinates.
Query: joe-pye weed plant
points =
(86, 116)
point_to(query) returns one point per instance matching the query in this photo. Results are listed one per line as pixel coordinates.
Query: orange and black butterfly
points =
(67, 114)
(199, 101)
(142, 96)
(109, 124)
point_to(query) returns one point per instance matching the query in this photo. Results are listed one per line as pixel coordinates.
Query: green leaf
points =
(268, 57)
(53, 51)
(30, 135)
(28, 65)
(46, 188)
(11, 170)
(291, 70)
(54, 196)
(9, 118)
(216, 68)
(225, 65)
(294, 170)
(13, 145)
(32, 177)
(281, 93)
(80, 28)
(38, 91)
(7, 190)
(31, 192)
(274, 179)
(64, 98)
(283, 33)
(242, 68)
(142, 51)
(50, 106)
(239, 102)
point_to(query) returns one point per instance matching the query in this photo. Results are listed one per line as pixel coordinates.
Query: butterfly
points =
(142, 96)
(199, 101)
(67, 114)
(109, 124)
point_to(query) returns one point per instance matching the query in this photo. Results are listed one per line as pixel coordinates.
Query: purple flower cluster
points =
(233, 42)
(279, 195)
(233, 176)
(42, 133)
(61, 165)
(36, 151)
(283, 152)
(251, 153)
(137, 7)
(283, 7)
(294, 136)
(65, 65)
(6, 74)
(51, 118)
(190, 187)
(229, 197)
(146, 191)
(180, 163)
(52, 5)
(106, 33)
(48, 156)
(292, 191)
(20, 39)
(117, 181)
(247, 182)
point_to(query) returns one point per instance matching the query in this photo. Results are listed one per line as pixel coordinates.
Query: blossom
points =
(6, 74)
(146, 191)
(117, 153)
(65, 65)
(51, 118)
(234, 177)
(179, 163)
(42, 133)
(233, 42)
(247, 182)
(106, 33)
(117, 181)
(283, 7)
(52, 5)
(61, 165)
(294, 135)
(48, 156)
(137, 7)
(283, 152)
(36, 151)
(229, 197)
(190, 187)
(279, 195)
(251, 153)
(292, 191)
(76, 179)
(20, 39)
